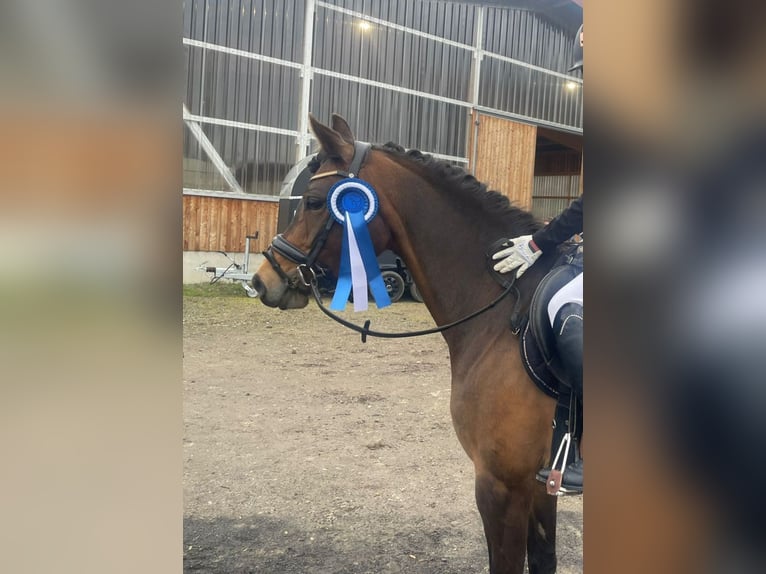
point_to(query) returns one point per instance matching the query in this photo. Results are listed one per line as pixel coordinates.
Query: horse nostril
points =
(258, 285)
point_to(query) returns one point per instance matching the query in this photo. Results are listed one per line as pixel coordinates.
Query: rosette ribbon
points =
(353, 203)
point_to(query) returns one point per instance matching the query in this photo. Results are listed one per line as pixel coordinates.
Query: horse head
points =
(313, 235)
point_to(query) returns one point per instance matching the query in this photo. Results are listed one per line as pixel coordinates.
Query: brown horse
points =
(441, 221)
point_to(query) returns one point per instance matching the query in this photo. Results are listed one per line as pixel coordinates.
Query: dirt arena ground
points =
(306, 451)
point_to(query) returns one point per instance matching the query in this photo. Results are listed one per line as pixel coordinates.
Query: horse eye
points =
(314, 203)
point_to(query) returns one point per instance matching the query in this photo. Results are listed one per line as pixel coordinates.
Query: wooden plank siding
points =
(221, 224)
(505, 157)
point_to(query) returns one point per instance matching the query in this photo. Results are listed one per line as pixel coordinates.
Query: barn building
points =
(480, 84)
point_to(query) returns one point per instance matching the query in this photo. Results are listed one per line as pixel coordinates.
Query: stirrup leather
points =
(553, 482)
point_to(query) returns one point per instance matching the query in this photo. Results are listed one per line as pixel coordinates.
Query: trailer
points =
(236, 271)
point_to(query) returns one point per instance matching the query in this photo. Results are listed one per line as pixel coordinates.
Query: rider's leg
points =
(568, 329)
(565, 312)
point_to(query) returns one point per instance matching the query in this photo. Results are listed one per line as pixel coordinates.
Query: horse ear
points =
(340, 125)
(333, 143)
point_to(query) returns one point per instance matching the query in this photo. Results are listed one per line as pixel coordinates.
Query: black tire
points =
(394, 285)
(415, 293)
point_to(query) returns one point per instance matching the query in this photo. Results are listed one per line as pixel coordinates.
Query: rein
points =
(365, 331)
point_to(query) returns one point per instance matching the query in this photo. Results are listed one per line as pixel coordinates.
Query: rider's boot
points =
(568, 330)
(571, 480)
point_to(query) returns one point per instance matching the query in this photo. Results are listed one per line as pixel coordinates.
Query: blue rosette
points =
(353, 203)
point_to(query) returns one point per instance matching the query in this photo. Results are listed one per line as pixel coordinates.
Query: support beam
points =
(307, 74)
(212, 153)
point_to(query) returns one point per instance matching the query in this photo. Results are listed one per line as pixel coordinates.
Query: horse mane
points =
(458, 180)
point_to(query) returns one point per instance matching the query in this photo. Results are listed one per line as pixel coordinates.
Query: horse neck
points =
(443, 244)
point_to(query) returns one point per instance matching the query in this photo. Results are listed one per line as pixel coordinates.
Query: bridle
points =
(304, 260)
(307, 275)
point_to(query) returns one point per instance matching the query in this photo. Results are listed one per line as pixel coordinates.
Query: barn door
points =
(502, 155)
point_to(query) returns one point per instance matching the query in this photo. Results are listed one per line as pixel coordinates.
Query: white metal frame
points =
(211, 152)
(303, 136)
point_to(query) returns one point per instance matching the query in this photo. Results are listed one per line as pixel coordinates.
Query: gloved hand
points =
(519, 255)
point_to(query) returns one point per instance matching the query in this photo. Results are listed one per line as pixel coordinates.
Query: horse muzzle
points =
(276, 291)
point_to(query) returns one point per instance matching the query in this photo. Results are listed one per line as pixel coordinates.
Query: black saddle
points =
(539, 330)
(530, 316)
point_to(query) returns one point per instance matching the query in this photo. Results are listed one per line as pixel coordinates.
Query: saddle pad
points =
(536, 365)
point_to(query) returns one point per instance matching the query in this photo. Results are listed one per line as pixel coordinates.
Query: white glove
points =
(519, 255)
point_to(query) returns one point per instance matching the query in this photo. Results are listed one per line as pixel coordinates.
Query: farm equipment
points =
(235, 271)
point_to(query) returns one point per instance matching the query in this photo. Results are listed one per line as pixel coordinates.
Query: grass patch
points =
(217, 289)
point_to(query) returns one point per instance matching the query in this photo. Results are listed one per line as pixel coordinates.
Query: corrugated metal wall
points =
(377, 53)
(235, 88)
(553, 193)
(557, 181)
(244, 63)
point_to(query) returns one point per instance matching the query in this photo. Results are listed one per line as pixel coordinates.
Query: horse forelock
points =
(315, 162)
(459, 183)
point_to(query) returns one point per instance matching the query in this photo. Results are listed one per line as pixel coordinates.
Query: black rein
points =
(365, 330)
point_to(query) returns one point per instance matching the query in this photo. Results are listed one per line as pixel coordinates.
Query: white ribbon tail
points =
(358, 274)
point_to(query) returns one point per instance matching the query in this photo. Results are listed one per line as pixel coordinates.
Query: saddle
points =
(530, 319)
(538, 345)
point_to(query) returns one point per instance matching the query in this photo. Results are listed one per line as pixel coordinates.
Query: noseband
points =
(304, 260)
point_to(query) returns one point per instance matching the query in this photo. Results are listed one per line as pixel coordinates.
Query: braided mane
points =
(455, 179)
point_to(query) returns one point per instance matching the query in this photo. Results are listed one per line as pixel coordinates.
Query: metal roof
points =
(565, 13)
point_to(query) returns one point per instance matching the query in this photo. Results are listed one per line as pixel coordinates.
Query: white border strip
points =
(528, 120)
(233, 124)
(230, 195)
(241, 53)
(533, 67)
(359, 80)
(446, 157)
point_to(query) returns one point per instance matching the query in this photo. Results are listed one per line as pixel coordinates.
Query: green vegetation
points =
(217, 289)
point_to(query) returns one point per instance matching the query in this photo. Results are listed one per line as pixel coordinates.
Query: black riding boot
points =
(567, 328)
(568, 331)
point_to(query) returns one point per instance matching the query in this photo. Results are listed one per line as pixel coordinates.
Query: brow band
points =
(328, 174)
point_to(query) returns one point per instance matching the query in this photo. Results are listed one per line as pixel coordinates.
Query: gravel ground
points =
(306, 451)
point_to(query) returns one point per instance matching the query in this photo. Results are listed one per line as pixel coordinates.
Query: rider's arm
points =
(561, 228)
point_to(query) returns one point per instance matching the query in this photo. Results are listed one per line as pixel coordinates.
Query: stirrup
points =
(553, 480)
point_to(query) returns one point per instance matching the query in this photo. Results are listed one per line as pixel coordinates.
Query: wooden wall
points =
(505, 157)
(221, 224)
